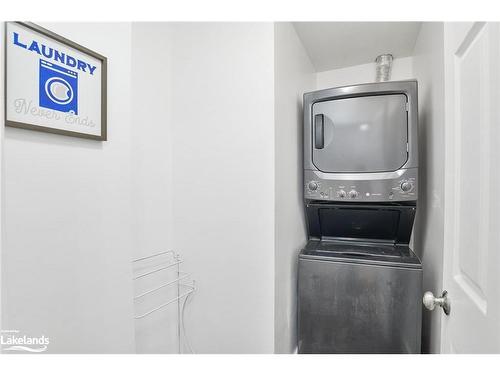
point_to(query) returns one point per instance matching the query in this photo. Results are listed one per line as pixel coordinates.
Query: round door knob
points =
(406, 186)
(313, 185)
(353, 194)
(430, 301)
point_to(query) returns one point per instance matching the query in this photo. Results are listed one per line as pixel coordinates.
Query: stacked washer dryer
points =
(359, 282)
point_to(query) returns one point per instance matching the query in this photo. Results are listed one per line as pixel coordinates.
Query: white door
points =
(472, 183)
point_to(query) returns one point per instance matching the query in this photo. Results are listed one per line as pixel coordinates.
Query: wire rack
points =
(183, 284)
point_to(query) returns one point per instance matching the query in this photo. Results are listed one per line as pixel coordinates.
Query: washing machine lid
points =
(361, 253)
(384, 223)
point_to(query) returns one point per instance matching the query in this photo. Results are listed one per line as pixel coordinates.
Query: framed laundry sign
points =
(53, 84)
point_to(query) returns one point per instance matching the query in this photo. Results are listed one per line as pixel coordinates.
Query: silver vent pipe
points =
(384, 66)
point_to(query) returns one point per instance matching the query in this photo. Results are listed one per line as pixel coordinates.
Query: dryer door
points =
(360, 134)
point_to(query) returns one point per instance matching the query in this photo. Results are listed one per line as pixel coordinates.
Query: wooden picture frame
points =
(50, 86)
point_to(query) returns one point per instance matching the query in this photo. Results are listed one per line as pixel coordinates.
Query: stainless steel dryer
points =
(360, 143)
(359, 283)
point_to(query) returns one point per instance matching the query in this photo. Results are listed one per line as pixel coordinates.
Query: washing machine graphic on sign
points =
(58, 88)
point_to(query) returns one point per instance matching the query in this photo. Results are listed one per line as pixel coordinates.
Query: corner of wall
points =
(428, 69)
(294, 75)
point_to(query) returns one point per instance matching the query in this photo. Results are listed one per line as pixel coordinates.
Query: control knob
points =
(353, 194)
(406, 186)
(313, 185)
(342, 194)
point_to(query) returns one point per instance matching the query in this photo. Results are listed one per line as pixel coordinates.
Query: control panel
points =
(397, 186)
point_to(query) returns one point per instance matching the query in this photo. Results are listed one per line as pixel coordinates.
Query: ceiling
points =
(333, 45)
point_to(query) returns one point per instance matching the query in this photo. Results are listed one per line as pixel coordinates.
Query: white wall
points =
(151, 137)
(203, 168)
(428, 68)
(2, 127)
(223, 180)
(66, 269)
(152, 181)
(365, 73)
(294, 75)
